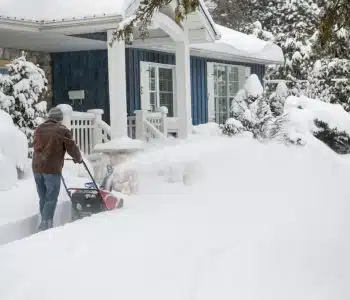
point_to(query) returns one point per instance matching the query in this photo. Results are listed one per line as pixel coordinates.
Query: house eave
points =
(209, 23)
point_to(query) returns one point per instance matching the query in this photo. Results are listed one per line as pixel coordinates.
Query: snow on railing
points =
(89, 129)
(82, 126)
(151, 125)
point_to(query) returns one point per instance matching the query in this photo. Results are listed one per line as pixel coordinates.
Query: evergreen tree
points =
(338, 141)
(251, 113)
(310, 69)
(22, 89)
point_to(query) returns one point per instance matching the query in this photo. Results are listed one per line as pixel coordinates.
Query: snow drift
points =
(256, 221)
(13, 146)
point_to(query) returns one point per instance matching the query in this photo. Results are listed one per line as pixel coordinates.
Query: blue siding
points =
(88, 70)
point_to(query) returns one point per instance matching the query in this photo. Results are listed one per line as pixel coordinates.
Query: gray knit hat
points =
(56, 114)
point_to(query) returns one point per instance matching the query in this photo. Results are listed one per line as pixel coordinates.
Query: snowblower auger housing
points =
(91, 200)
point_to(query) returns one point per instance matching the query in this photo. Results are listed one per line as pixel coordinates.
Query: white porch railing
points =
(89, 129)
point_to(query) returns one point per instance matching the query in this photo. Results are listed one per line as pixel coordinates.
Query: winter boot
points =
(43, 226)
(49, 224)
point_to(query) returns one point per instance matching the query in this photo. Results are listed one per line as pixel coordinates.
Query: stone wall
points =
(40, 58)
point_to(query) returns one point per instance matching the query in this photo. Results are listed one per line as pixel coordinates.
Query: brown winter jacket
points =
(51, 141)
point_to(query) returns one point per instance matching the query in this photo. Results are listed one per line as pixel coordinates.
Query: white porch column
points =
(183, 87)
(117, 87)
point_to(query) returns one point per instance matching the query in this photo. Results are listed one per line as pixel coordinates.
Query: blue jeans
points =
(48, 187)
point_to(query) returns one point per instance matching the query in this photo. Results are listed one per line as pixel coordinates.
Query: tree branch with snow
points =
(142, 18)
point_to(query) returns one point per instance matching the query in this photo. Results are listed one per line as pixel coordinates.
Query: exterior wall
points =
(40, 58)
(88, 70)
(83, 70)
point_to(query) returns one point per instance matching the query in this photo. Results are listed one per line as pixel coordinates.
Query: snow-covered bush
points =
(278, 98)
(251, 113)
(13, 144)
(337, 140)
(329, 123)
(20, 93)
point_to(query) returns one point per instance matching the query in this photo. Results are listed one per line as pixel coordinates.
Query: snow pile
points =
(13, 144)
(303, 111)
(8, 173)
(257, 219)
(208, 129)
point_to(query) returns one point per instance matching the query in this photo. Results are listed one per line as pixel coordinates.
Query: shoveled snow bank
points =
(13, 143)
(21, 200)
(8, 174)
(259, 221)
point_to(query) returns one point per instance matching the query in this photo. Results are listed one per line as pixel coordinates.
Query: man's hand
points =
(78, 161)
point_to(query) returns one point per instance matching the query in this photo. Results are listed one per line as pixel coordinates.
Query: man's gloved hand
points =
(79, 161)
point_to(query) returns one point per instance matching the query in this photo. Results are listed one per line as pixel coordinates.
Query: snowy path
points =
(19, 209)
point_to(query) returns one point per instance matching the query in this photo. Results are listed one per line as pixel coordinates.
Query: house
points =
(194, 70)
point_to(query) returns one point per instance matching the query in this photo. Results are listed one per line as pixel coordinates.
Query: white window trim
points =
(145, 92)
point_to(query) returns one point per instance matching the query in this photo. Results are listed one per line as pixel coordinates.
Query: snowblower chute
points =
(91, 199)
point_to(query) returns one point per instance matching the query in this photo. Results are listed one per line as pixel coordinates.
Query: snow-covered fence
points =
(151, 125)
(89, 129)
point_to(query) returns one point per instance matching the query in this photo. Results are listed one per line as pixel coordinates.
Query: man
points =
(51, 141)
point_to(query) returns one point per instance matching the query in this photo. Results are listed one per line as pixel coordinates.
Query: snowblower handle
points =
(87, 169)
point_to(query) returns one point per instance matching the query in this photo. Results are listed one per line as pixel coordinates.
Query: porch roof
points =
(242, 46)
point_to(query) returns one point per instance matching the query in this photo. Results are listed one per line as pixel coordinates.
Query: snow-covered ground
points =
(254, 221)
(214, 218)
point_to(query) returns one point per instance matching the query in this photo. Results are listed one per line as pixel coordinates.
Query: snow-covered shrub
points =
(278, 98)
(337, 140)
(251, 112)
(13, 144)
(21, 91)
(232, 127)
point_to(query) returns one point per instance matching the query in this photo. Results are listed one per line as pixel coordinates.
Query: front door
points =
(157, 87)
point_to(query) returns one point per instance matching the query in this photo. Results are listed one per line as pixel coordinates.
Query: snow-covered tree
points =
(251, 113)
(329, 81)
(310, 68)
(20, 94)
(278, 98)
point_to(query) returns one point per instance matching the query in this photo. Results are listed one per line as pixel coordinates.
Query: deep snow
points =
(254, 221)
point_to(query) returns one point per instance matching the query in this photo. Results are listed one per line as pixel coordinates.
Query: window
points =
(3, 70)
(224, 81)
(157, 87)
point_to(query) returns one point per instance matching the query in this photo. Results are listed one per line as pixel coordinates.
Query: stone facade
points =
(40, 58)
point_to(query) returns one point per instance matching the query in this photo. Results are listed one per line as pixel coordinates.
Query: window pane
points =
(221, 109)
(236, 74)
(166, 99)
(165, 80)
(153, 100)
(233, 88)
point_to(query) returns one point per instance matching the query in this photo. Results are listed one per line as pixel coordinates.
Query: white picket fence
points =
(89, 129)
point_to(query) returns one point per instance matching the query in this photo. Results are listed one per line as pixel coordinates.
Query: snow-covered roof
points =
(45, 11)
(244, 46)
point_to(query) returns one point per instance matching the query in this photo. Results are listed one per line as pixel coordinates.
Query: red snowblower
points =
(92, 199)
